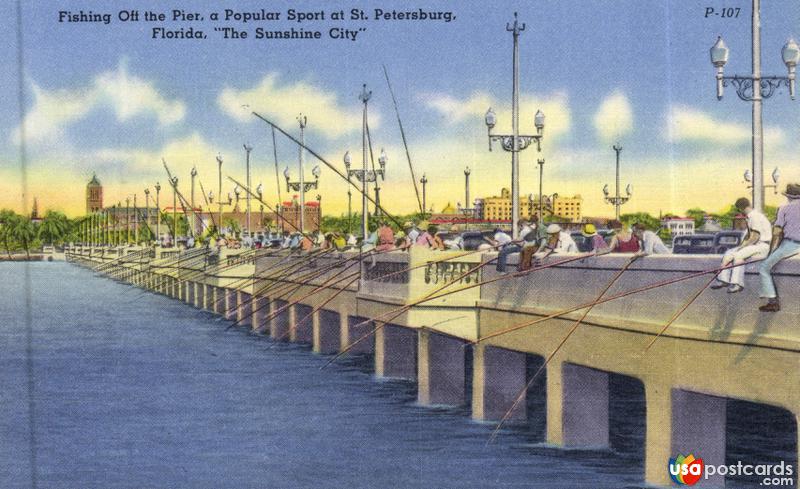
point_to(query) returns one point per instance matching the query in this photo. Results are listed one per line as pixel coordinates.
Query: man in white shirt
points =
(755, 245)
(558, 241)
(651, 243)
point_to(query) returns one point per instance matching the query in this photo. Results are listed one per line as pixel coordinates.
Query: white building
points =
(678, 226)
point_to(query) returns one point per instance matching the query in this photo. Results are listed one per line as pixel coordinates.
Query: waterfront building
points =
(498, 207)
(290, 210)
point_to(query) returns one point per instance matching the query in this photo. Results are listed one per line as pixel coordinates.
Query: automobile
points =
(694, 244)
(725, 240)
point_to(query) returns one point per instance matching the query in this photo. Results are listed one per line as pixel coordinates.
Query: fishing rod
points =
(329, 165)
(613, 297)
(437, 294)
(552, 354)
(405, 143)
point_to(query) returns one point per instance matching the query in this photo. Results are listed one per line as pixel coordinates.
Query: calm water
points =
(131, 389)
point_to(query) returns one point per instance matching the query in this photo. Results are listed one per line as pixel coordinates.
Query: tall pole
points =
(303, 120)
(128, 220)
(617, 200)
(147, 208)
(424, 182)
(364, 97)
(158, 213)
(219, 196)
(758, 128)
(192, 213)
(515, 30)
(247, 150)
(175, 211)
(467, 171)
(541, 190)
(377, 200)
(349, 208)
(135, 221)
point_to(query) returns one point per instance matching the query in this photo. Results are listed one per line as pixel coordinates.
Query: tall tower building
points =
(94, 195)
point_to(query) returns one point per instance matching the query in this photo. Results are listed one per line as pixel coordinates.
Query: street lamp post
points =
(192, 213)
(158, 213)
(755, 88)
(147, 209)
(127, 220)
(617, 200)
(247, 150)
(514, 143)
(776, 176)
(424, 182)
(219, 220)
(135, 221)
(467, 172)
(174, 182)
(260, 193)
(302, 187)
(540, 162)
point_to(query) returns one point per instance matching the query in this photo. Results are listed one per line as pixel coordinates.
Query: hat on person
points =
(424, 225)
(453, 228)
(589, 230)
(792, 191)
(553, 229)
(399, 234)
(408, 224)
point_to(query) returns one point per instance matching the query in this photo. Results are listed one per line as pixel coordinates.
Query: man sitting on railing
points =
(755, 245)
(785, 243)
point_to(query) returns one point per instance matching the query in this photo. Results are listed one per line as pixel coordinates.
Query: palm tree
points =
(8, 219)
(54, 228)
(24, 232)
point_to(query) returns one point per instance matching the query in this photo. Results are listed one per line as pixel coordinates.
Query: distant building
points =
(678, 226)
(35, 217)
(498, 207)
(290, 215)
(710, 225)
(94, 195)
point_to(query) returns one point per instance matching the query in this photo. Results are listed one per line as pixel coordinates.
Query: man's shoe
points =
(770, 307)
(735, 288)
(719, 284)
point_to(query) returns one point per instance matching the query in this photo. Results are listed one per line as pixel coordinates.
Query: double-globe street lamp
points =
(364, 175)
(755, 88)
(617, 200)
(515, 142)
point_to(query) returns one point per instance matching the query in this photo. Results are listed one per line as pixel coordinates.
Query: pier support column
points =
(577, 406)
(219, 300)
(208, 299)
(231, 304)
(260, 311)
(395, 352)
(352, 333)
(188, 291)
(679, 423)
(199, 293)
(280, 323)
(327, 331)
(440, 373)
(498, 377)
(244, 309)
(302, 332)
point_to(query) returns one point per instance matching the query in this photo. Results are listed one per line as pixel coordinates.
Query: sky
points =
(108, 99)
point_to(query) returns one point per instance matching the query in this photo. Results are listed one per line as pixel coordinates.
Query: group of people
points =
(767, 242)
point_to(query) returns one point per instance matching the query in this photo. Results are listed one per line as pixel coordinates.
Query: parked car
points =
(725, 240)
(694, 244)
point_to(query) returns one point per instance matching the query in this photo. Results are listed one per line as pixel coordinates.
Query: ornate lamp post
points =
(755, 88)
(514, 142)
(776, 176)
(210, 196)
(363, 175)
(147, 207)
(247, 150)
(192, 213)
(617, 200)
(135, 221)
(302, 187)
(424, 182)
(221, 203)
(158, 213)
(260, 193)
(128, 220)
(174, 182)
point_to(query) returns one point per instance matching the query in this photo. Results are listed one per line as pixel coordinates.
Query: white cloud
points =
(283, 102)
(687, 124)
(614, 118)
(455, 111)
(126, 95)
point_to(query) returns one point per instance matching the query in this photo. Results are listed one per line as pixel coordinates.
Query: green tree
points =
(24, 232)
(8, 219)
(54, 229)
(699, 216)
(651, 222)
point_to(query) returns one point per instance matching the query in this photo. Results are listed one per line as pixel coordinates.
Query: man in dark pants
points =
(785, 243)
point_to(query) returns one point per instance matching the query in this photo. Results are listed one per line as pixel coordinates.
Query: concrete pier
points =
(281, 323)
(499, 377)
(327, 332)
(441, 370)
(303, 331)
(396, 352)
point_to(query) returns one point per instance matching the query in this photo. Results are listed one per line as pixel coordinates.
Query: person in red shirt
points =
(624, 241)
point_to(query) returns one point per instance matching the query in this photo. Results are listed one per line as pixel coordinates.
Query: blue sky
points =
(109, 99)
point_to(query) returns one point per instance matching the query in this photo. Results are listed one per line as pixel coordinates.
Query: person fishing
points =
(557, 241)
(385, 237)
(623, 241)
(755, 245)
(526, 234)
(593, 241)
(785, 243)
(651, 243)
